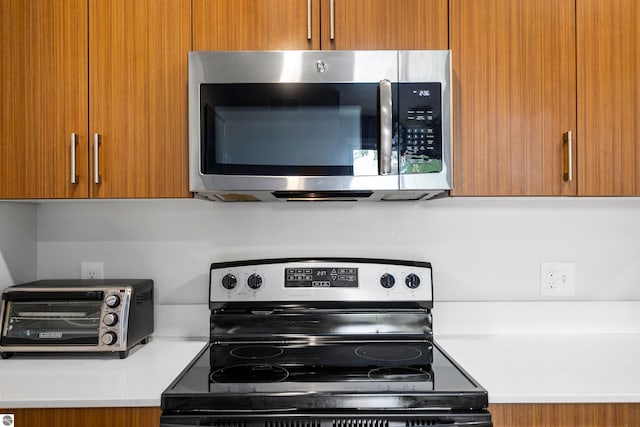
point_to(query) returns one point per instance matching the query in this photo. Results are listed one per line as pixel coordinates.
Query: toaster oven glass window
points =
(52, 322)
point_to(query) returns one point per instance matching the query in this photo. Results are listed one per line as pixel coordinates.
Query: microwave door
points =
(298, 136)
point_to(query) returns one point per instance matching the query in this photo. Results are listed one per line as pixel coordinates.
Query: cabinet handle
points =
(74, 143)
(332, 12)
(309, 20)
(386, 116)
(567, 156)
(96, 158)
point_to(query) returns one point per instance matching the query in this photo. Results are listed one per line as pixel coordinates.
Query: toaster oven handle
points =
(386, 116)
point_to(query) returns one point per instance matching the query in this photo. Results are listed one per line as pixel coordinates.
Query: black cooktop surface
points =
(279, 377)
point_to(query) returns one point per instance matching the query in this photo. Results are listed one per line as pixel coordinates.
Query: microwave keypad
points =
(421, 143)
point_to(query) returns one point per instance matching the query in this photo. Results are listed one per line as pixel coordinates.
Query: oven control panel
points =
(320, 279)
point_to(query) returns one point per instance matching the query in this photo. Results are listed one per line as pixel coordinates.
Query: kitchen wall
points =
(18, 243)
(482, 249)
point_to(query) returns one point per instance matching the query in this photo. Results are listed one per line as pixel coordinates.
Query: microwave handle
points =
(386, 122)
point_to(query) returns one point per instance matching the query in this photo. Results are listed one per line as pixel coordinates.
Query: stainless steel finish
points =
(386, 123)
(308, 19)
(567, 151)
(119, 329)
(74, 143)
(431, 66)
(273, 289)
(302, 67)
(97, 178)
(332, 12)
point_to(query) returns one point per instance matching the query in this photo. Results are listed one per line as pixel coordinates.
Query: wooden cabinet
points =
(608, 40)
(319, 24)
(384, 24)
(555, 415)
(138, 98)
(95, 417)
(43, 98)
(256, 24)
(121, 73)
(514, 95)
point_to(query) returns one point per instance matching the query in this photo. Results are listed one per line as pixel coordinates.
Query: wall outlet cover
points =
(557, 279)
(92, 270)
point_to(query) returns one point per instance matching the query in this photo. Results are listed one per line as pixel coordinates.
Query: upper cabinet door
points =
(384, 24)
(43, 98)
(138, 98)
(514, 96)
(608, 40)
(256, 24)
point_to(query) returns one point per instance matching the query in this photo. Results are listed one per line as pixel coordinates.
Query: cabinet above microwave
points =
(320, 125)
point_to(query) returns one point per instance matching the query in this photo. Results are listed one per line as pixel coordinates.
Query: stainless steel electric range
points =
(315, 342)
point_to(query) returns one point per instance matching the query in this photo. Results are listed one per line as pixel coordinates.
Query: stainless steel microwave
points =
(320, 125)
(110, 315)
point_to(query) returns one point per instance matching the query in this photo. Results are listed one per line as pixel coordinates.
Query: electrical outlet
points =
(92, 270)
(557, 279)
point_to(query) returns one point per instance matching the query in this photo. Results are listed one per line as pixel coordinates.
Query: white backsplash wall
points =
(18, 243)
(482, 249)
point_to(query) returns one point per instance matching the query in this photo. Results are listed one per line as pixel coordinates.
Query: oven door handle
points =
(385, 115)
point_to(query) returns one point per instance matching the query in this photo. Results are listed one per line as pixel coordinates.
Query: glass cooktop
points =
(280, 377)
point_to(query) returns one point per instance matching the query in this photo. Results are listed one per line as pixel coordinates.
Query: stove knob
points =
(110, 319)
(109, 338)
(229, 281)
(412, 281)
(112, 301)
(387, 280)
(254, 281)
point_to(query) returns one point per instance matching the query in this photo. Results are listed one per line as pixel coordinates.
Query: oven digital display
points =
(324, 277)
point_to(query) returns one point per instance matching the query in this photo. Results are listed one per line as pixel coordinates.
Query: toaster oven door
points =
(50, 318)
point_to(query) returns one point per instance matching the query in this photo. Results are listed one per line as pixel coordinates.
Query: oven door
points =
(51, 318)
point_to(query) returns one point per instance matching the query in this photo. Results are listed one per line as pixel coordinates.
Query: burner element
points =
(388, 352)
(250, 374)
(399, 374)
(255, 352)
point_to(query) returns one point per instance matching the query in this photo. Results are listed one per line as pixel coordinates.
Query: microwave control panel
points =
(420, 111)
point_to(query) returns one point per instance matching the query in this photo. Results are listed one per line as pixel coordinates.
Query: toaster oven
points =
(76, 316)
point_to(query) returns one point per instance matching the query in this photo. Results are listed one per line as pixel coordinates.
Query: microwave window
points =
(290, 129)
(305, 136)
(52, 322)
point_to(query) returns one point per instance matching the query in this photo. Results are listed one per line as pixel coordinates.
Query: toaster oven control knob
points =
(229, 281)
(110, 319)
(112, 301)
(109, 338)
(412, 281)
(254, 281)
(387, 280)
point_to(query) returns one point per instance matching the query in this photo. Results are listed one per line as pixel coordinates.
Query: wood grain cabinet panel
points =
(43, 98)
(385, 24)
(514, 95)
(310, 24)
(608, 40)
(256, 24)
(94, 417)
(138, 98)
(566, 415)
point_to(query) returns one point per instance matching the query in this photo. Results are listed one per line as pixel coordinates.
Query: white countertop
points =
(49, 381)
(529, 368)
(551, 368)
